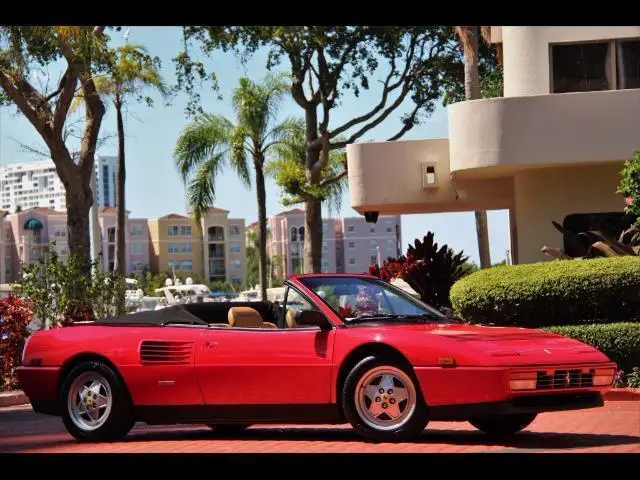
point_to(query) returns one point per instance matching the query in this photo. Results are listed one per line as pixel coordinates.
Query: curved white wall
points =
(509, 134)
(526, 53)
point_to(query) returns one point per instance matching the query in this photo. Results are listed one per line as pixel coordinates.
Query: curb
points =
(12, 399)
(622, 394)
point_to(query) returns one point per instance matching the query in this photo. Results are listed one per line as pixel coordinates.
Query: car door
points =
(267, 366)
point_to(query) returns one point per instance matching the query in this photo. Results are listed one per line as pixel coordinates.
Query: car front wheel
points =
(95, 404)
(382, 402)
(503, 424)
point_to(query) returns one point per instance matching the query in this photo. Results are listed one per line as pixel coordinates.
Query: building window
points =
(235, 264)
(137, 249)
(173, 230)
(352, 261)
(373, 260)
(390, 243)
(372, 229)
(596, 66)
(294, 234)
(352, 244)
(389, 227)
(59, 232)
(136, 230)
(350, 229)
(138, 266)
(301, 234)
(215, 234)
(235, 247)
(186, 265)
(373, 244)
(173, 248)
(185, 230)
(186, 248)
(325, 247)
(111, 234)
(234, 230)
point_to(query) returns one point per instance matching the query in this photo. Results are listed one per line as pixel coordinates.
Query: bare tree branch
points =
(335, 178)
(385, 93)
(408, 124)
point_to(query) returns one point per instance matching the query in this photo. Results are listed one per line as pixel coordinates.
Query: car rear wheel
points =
(503, 424)
(382, 402)
(95, 403)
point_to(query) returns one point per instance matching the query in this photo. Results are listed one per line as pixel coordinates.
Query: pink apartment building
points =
(136, 239)
(349, 245)
(28, 234)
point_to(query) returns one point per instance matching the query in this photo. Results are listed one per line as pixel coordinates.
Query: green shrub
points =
(619, 341)
(561, 292)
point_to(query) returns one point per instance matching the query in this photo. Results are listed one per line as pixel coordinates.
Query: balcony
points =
(496, 137)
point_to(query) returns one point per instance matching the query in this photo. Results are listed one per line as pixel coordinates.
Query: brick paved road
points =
(612, 428)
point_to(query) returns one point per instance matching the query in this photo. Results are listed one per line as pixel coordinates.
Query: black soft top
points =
(201, 313)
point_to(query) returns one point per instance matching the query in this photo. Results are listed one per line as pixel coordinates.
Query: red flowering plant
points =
(428, 269)
(629, 186)
(15, 316)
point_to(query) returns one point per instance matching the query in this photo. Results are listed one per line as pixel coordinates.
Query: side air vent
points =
(164, 352)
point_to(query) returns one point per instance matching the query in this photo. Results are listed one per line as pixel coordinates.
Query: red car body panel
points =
(455, 364)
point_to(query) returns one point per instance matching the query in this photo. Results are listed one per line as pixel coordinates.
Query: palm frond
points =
(239, 154)
(201, 190)
(204, 138)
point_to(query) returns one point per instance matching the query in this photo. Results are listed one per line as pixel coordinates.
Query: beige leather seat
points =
(291, 318)
(244, 317)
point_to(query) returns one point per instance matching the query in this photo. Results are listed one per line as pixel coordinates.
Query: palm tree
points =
(131, 70)
(209, 142)
(469, 38)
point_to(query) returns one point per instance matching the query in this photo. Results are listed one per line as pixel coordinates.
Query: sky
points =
(154, 189)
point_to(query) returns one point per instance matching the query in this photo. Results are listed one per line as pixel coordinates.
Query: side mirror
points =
(313, 318)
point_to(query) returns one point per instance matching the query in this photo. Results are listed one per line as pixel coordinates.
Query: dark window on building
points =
(628, 64)
(595, 66)
(581, 68)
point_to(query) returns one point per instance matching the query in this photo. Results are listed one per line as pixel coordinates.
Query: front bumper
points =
(40, 385)
(521, 404)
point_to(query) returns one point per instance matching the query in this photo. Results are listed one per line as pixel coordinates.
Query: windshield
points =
(364, 298)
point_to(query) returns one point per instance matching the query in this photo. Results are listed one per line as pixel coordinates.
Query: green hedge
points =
(560, 292)
(619, 341)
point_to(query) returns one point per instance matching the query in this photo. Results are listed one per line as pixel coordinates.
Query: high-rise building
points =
(36, 184)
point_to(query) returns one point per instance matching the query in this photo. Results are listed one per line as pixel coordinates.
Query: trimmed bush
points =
(561, 292)
(619, 341)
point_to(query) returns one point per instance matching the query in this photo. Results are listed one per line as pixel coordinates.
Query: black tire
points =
(228, 428)
(410, 427)
(118, 421)
(500, 425)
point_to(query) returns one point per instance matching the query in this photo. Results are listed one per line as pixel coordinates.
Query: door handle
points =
(211, 344)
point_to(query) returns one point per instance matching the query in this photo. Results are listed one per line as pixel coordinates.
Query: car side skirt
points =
(521, 404)
(249, 414)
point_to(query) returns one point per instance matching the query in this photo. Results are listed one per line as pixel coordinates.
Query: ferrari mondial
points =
(338, 349)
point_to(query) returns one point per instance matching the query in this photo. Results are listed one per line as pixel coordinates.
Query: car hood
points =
(514, 345)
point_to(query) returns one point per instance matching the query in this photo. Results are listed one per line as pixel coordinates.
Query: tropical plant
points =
(130, 72)
(288, 171)
(593, 243)
(630, 186)
(59, 293)
(83, 52)
(15, 316)
(428, 269)
(210, 141)
(327, 63)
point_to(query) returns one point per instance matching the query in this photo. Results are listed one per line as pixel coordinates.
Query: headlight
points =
(523, 381)
(603, 377)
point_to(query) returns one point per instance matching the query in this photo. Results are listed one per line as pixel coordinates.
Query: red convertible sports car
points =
(340, 348)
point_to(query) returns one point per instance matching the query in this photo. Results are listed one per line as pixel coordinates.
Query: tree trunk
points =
(470, 40)
(262, 226)
(79, 200)
(313, 236)
(312, 257)
(121, 252)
